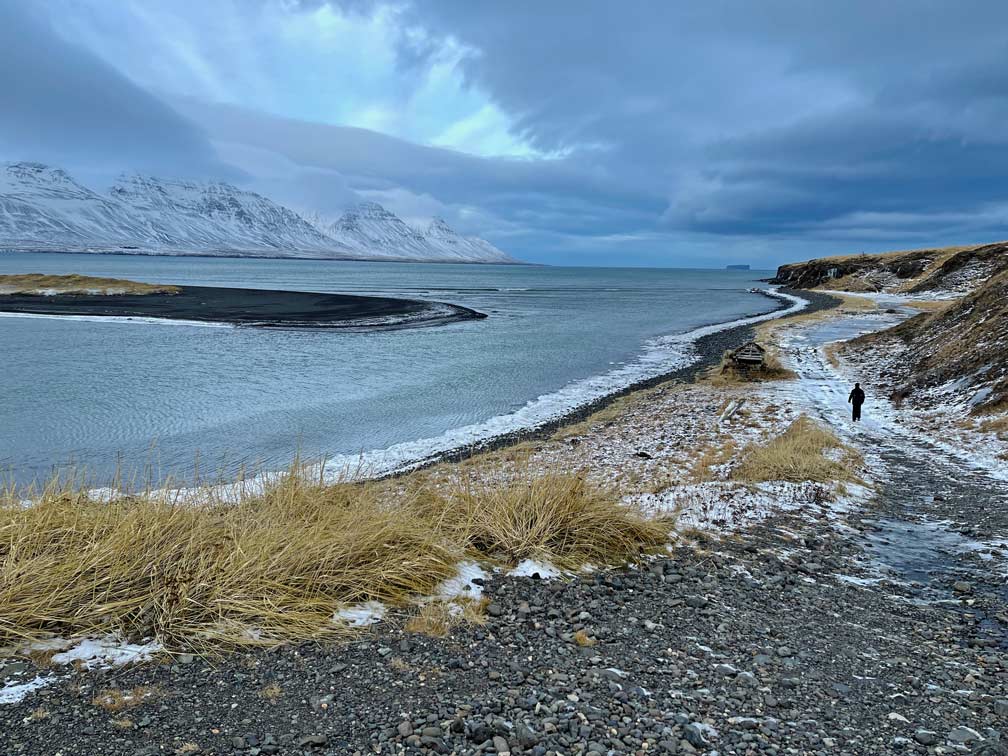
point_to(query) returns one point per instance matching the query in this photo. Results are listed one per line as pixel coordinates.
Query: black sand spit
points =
(248, 307)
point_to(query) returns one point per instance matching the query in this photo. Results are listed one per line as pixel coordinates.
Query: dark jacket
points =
(856, 396)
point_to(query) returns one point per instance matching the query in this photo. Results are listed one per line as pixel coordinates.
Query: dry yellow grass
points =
(271, 692)
(711, 457)
(563, 519)
(34, 283)
(437, 618)
(803, 452)
(584, 640)
(114, 699)
(279, 564)
(275, 567)
(930, 305)
(942, 253)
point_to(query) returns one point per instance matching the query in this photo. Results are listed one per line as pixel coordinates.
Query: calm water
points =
(155, 398)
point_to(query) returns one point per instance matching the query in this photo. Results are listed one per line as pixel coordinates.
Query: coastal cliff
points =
(957, 270)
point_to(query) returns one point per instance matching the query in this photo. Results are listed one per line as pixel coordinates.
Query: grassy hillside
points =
(44, 284)
(948, 269)
(957, 354)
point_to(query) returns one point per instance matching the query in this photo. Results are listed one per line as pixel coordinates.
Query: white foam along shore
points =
(662, 355)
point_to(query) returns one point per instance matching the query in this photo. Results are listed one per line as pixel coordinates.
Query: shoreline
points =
(710, 348)
(240, 256)
(256, 308)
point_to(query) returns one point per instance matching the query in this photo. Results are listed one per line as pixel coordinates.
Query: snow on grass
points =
(111, 651)
(726, 507)
(361, 615)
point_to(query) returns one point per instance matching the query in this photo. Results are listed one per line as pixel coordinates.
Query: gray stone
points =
(695, 736)
(926, 737)
(963, 734)
(315, 741)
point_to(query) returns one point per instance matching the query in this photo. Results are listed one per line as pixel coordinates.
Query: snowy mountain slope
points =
(43, 208)
(217, 215)
(442, 238)
(369, 228)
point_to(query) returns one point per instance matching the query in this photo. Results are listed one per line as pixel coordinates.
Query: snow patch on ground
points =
(110, 651)
(727, 507)
(462, 585)
(103, 653)
(15, 692)
(532, 568)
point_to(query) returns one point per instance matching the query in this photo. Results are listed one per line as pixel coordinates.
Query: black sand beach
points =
(247, 307)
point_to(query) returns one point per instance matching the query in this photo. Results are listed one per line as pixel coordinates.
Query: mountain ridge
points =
(43, 208)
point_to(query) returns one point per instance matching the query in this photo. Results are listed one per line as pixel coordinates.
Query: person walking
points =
(856, 399)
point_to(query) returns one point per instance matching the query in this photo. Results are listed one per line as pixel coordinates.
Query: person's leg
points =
(857, 411)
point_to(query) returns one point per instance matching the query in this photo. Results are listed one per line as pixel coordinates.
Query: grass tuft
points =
(437, 618)
(803, 452)
(584, 640)
(114, 699)
(562, 519)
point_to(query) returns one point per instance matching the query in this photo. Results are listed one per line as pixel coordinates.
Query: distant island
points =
(75, 295)
(736, 267)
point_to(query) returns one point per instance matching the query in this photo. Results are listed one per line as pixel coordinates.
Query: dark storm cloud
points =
(63, 105)
(561, 195)
(664, 131)
(773, 118)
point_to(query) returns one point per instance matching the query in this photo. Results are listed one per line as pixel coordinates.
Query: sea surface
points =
(164, 402)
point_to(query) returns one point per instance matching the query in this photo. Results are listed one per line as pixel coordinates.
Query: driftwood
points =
(729, 412)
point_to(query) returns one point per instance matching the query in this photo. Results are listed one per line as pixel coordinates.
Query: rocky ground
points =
(752, 645)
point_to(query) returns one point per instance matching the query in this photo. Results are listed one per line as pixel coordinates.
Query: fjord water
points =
(157, 399)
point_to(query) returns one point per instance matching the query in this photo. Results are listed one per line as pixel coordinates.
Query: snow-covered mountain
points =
(370, 229)
(43, 208)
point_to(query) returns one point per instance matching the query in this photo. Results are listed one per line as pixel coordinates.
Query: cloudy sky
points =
(570, 132)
